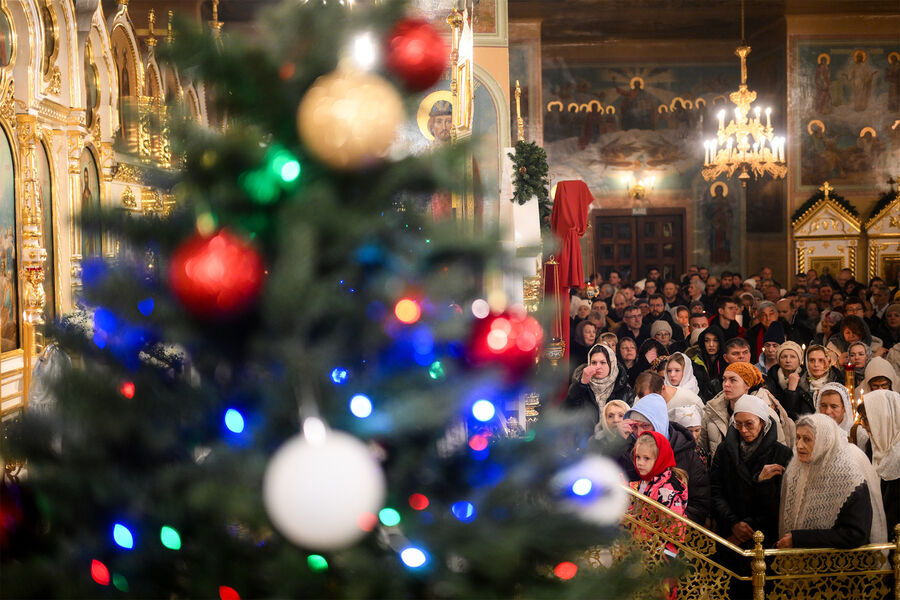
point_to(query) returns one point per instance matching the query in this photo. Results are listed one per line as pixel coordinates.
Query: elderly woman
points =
(834, 401)
(826, 497)
(787, 381)
(595, 384)
(745, 477)
(738, 380)
(626, 353)
(880, 413)
(661, 331)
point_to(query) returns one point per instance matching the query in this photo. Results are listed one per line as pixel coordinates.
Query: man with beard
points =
(658, 311)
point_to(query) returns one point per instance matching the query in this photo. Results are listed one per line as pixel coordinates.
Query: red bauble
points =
(416, 53)
(216, 277)
(511, 339)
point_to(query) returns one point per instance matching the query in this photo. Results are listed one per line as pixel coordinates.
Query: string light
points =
(170, 538)
(317, 563)
(478, 442)
(99, 572)
(234, 420)
(389, 517)
(436, 370)
(366, 521)
(361, 406)
(464, 511)
(228, 593)
(413, 557)
(122, 536)
(565, 570)
(407, 311)
(127, 389)
(481, 308)
(483, 410)
(145, 306)
(119, 582)
(582, 487)
(339, 375)
(418, 501)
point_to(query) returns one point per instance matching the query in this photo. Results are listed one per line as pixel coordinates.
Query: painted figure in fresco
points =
(822, 102)
(88, 241)
(821, 158)
(8, 292)
(859, 78)
(892, 77)
(637, 106)
(440, 121)
(440, 125)
(720, 219)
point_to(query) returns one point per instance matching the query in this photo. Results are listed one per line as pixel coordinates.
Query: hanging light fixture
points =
(745, 145)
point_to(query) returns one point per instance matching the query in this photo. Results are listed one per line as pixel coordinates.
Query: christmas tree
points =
(291, 386)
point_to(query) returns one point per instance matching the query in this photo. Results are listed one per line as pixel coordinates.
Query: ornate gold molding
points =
(873, 258)
(8, 102)
(126, 173)
(801, 259)
(54, 81)
(128, 199)
(33, 253)
(75, 144)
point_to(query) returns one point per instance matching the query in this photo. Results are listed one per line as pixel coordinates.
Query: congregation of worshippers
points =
(743, 405)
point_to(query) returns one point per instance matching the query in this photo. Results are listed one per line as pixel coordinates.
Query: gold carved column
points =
(74, 147)
(33, 253)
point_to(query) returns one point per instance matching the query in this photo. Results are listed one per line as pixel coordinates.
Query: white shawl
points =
(813, 493)
(688, 380)
(883, 417)
(847, 423)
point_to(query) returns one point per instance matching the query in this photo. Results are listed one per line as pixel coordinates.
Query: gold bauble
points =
(348, 119)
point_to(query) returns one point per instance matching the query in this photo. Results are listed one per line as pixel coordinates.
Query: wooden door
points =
(632, 244)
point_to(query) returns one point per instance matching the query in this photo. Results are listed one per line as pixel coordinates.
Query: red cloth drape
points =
(569, 222)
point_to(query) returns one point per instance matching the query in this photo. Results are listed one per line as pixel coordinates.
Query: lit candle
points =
(706, 153)
(757, 113)
(721, 119)
(768, 115)
(728, 151)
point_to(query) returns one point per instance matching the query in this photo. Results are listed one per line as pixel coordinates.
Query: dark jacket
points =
(797, 331)
(644, 334)
(797, 402)
(737, 495)
(851, 530)
(686, 458)
(715, 365)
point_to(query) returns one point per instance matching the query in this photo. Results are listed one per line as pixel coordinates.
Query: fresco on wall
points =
(45, 192)
(6, 40)
(89, 201)
(718, 239)
(846, 98)
(432, 126)
(602, 122)
(9, 271)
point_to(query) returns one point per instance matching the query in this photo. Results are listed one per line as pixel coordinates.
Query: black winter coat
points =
(851, 530)
(687, 459)
(737, 494)
(797, 402)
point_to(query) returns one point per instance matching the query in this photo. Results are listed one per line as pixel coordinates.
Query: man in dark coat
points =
(650, 414)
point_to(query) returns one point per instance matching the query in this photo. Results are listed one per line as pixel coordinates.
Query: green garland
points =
(530, 170)
(820, 195)
(882, 203)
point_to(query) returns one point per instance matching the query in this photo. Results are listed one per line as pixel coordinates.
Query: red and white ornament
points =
(218, 276)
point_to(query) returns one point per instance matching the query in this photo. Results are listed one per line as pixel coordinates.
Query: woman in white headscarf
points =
(827, 500)
(880, 413)
(833, 400)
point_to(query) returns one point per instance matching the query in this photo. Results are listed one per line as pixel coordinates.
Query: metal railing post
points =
(758, 567)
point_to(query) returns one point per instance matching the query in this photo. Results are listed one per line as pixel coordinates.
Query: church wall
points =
(843, 108)
(657, 130)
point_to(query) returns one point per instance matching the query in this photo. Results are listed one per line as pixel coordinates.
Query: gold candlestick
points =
(520, 123)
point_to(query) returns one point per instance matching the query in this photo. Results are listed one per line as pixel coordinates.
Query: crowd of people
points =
(746, 406)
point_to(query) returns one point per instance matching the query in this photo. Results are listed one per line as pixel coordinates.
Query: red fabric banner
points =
(569, 222)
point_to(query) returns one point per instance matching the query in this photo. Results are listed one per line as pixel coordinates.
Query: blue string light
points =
(339, 375)
(582, 487)
(234, 420)
(122, 536)
(146, 306)
(464, 511)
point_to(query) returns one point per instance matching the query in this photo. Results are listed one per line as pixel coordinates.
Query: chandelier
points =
(745, 145)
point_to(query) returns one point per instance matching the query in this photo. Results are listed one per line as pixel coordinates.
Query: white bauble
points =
(605, 501)
(318, 494)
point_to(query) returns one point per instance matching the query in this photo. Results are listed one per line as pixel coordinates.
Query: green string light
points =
(170, 538)
(389, 517)
(317, 562)
(119, 582)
